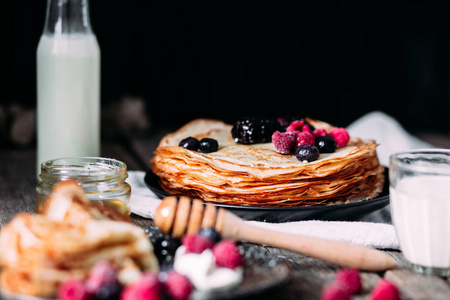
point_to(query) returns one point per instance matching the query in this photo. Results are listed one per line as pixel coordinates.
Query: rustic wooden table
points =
(307, 276)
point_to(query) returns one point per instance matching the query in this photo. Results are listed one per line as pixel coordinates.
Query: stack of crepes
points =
(256, 175)
(39, 252)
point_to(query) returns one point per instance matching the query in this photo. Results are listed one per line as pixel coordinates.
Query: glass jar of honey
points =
(102, 179)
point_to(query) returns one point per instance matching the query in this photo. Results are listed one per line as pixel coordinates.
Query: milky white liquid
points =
(68, 85)
(420, 209)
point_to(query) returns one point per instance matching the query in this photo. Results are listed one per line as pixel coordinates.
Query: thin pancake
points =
(256, 175)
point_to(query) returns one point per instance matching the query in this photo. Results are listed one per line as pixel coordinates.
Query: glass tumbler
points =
(419, 185)
(102, 179)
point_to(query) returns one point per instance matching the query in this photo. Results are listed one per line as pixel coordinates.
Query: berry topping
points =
(195, 243)
(103, 283)
(335, 291)
(311, 128)
(153, 234)
(108, 291)
(385, 290)
(178, 286)
(283, 123)
(165, 247)
(210, 234)
(73, 289)
(190, 143)
(296, 126)
(253, 130)
(283, 141)
(305, 138)
(307, 152)
(102, 273)
(226, 254)
(208, 145)
(349, 279)
(341, 136)
(325, 144)
(320, 132)
(306, 128)
(147, 287)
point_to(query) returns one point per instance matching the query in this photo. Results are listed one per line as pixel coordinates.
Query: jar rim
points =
(83, 168)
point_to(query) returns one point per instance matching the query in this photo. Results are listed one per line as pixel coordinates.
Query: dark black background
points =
(332, 60)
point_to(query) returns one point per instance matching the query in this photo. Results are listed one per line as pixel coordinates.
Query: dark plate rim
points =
(151, 180)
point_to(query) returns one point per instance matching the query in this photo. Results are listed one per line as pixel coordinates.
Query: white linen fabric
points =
(373, 230)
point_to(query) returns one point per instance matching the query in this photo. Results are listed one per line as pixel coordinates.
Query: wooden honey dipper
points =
(186, 216)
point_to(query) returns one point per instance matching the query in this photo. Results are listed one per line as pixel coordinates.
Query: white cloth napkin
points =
(387, 132)
(373, 230)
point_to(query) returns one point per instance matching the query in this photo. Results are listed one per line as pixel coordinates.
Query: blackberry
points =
(208, 145)
(307, 152)
(190, 143)
(210, 233)
(326, 144)
(253, 130)
(165, 248)
(109, 291)
(154, 234)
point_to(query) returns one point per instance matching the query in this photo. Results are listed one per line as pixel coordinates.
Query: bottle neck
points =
(67, 17)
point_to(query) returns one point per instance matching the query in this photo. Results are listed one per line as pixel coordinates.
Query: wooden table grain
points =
(307, 276)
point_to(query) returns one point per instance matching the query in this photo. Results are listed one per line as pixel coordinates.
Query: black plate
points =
(332, 212)
(262, 272)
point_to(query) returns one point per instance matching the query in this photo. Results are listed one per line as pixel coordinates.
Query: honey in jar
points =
(102, 179)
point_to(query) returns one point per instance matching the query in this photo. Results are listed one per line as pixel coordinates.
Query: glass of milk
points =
(420, 208)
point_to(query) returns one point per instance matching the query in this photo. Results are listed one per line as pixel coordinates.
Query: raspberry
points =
(296, 126)
(226, 254)
(305, 138)
(335, 291)
(73, 289)
(101, 273)
(320, 132)
(178, 286)
(350, 279)
(306, 128)
(283, 141)
(385, 290)
(147, 287)
(340, 135)
(195, 243)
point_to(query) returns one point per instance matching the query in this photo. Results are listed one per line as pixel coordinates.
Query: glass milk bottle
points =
(68, 84)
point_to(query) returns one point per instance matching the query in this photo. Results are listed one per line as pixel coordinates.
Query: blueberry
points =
(190, 143)
(208, 145)
(307, 152)
(210, 233)
(326, 144)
